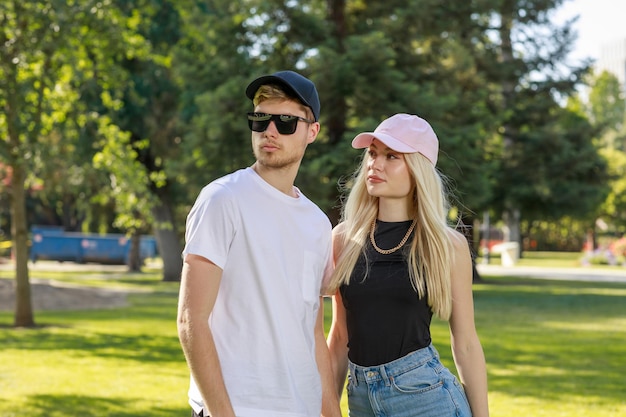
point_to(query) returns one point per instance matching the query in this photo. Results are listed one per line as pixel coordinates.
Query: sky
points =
(600, 21)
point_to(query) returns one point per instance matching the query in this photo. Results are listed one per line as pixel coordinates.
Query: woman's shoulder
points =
(339, 228)
(338, 233)
(338, 239)
(458, 239)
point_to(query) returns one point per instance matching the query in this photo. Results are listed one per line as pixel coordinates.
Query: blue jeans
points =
(417, 385)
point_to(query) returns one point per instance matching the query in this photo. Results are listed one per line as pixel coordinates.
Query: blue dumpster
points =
(53, 244)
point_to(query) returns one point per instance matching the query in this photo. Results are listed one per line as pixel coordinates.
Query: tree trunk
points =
(134, 255)
(511, 229)
(167, 242)
(511, 214)
(23, 302)
(335, 124)
(466, 227)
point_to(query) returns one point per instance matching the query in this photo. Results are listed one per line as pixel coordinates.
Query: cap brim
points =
(364, 140)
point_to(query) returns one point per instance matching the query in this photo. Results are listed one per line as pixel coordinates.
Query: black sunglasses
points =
(286, 124)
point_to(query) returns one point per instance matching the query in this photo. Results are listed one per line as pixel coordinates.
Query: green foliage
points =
(565, 234)
(61, 74)
(532, 75)
(211, 71)
(553, 163)
(129, 182)
(607, 104)
(168, 77)
(607, 109)
(614, 206)
(47, 49)
(416, 70)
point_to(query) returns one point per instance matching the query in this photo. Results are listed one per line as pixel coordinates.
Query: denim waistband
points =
(391, 369)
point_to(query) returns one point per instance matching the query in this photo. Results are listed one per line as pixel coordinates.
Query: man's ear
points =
(314, 130)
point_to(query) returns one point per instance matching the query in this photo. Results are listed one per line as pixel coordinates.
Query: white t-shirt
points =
(274, 251)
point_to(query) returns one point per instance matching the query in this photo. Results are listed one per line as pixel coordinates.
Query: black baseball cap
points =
(302, 87)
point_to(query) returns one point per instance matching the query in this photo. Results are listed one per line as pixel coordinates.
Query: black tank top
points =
(385, 318)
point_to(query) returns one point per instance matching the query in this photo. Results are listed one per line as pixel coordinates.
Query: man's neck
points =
(280, 178)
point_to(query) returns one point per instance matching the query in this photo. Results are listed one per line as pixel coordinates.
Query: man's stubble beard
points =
(275, 161)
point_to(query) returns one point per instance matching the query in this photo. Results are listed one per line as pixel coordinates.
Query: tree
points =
(532, 72)
(28, 39)
(44, 45)
(607, 106)
(154, 92)
(129, 182)
(607, 110)
(148, 111)
(554, 166)
(427, 62)
(615, 204)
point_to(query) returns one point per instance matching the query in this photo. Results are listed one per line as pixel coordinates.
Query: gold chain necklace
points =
(392, 250)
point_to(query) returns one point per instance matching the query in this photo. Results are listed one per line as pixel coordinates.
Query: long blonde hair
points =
(430, 255)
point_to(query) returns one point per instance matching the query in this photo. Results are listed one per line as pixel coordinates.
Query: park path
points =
(617, 274)
(50, 294)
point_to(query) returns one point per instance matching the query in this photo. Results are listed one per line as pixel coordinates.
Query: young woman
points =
(397, 262)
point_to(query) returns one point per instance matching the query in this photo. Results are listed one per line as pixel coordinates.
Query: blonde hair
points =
(276, 92)
(430, 255)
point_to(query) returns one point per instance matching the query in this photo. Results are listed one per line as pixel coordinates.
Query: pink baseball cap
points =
(405, 133)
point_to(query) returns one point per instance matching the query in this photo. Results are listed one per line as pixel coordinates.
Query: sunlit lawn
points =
(117, 363)
(553, 349)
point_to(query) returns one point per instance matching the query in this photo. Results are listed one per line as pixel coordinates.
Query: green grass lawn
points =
(553, 348)
(115, 363)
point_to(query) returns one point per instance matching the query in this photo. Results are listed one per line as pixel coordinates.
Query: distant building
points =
(613, 60)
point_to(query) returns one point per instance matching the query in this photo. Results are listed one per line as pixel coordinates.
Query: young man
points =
(250, 318)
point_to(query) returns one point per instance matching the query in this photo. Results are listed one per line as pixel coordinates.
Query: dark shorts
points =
(194, 414)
